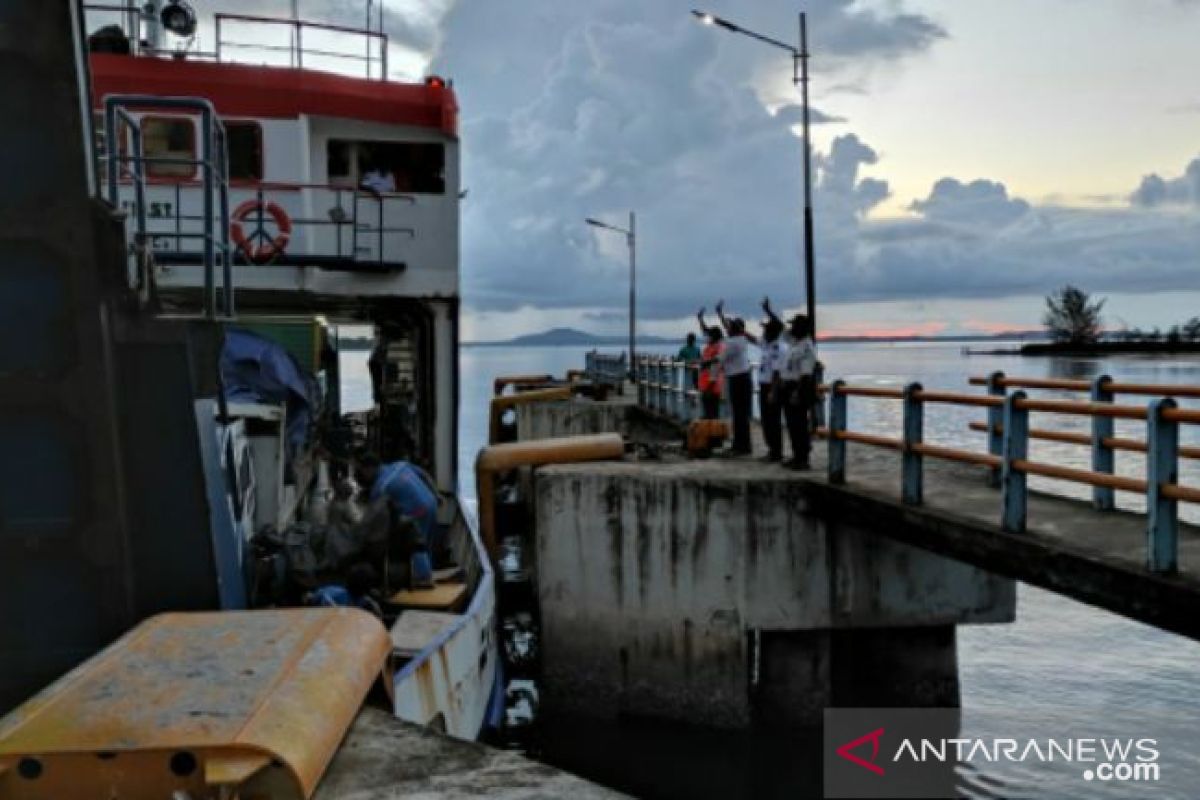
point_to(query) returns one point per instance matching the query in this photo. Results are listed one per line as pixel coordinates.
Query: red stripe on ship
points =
(240, 90)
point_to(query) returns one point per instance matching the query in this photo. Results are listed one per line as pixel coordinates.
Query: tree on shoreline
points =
(1072, 317)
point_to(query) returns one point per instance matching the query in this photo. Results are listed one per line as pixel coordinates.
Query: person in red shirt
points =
(712, 376)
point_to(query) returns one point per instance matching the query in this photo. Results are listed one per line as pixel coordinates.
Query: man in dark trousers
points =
(770, 384)
(799, 391)
(736, 361)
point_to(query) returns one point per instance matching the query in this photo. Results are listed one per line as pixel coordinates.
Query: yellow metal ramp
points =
(251, 704)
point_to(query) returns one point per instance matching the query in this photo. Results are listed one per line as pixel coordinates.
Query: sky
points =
(970, 156)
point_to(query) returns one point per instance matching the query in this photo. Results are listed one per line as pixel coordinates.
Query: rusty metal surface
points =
(186, 701)
(564, 450)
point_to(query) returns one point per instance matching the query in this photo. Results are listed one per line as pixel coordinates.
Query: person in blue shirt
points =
(409, 491)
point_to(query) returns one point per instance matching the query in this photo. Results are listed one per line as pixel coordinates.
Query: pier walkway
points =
(976, 506)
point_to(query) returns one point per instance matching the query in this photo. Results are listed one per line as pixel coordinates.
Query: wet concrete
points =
(667, 587)
(384, 758)
(1091, 556)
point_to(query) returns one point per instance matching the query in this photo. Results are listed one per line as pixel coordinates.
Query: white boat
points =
(337, 195)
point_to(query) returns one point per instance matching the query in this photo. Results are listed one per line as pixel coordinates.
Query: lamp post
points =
(630, 234)
(799, 78)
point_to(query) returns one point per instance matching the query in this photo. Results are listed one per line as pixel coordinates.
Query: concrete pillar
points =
(678, 590)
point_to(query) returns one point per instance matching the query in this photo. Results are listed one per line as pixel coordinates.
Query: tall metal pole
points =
(810, 282)
(632, 239)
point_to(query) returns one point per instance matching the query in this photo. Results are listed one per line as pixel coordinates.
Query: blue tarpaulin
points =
(255, 369)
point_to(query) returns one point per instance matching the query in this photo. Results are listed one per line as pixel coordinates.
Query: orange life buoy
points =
(260, 247)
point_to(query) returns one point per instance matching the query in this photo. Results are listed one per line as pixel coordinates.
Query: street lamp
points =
(630, 234)
(799, 78)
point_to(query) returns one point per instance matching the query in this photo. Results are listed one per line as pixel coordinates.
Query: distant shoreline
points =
(822, 340)
(1110, 349)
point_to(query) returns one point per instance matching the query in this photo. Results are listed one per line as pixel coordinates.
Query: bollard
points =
(911, 462)
(1162, 468)
(995, 423)
(1103, 497)
(1013, 488)
(837, 424)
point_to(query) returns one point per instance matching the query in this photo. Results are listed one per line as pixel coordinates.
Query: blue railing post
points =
(1103, 497)
(911, 463)
(837, 423)
(1014, 493)
(995, 423)
(1162, 468)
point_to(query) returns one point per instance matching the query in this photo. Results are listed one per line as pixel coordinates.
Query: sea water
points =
(1063, 669)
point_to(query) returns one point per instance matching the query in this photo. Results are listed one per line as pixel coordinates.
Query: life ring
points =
(260, 247)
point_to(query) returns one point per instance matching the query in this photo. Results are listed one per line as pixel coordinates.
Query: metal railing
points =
(214, 166)
(374, 44)
(606, 370)
(360, 234)
(1009, 425)
(670, 388)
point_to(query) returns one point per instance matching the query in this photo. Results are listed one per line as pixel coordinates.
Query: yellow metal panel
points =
(187, 697)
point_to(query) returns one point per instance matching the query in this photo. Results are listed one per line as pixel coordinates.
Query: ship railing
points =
(1008, 451)
(213, 164)
(362, 225)
(307, 44)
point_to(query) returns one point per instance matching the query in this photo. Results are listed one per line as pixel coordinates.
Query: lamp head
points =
(179, 18)
(704, 17)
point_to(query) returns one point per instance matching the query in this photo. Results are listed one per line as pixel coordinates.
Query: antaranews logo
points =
(901, 753)
(846, 751)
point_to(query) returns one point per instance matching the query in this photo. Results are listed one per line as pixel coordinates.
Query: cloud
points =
(622, 104)
(1155, 191)
(980, 202)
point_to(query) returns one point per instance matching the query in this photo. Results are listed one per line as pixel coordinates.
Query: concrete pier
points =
(721, 592)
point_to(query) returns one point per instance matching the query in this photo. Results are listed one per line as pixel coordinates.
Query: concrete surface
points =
(1069, 548)
(385, 758)
(652, 576)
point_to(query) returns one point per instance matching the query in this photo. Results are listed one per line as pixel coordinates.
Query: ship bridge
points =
(341, 184)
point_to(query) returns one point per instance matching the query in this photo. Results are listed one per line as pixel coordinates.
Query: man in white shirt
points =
(770, 386)
(736, 361)
(799, 391)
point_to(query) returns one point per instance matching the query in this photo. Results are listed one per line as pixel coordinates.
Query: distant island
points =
(571, 337)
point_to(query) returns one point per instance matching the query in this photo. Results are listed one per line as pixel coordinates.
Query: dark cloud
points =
(1157, 191)
(576, 110)
(980, 202)
(573, 111)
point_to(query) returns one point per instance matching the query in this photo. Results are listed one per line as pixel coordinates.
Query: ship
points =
(273, 188)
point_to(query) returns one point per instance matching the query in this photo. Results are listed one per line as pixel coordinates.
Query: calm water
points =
(1063, 669)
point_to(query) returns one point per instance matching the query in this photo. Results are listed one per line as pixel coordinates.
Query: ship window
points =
(245, 151)
(414, 167)
(338, 161)
(169, 137)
